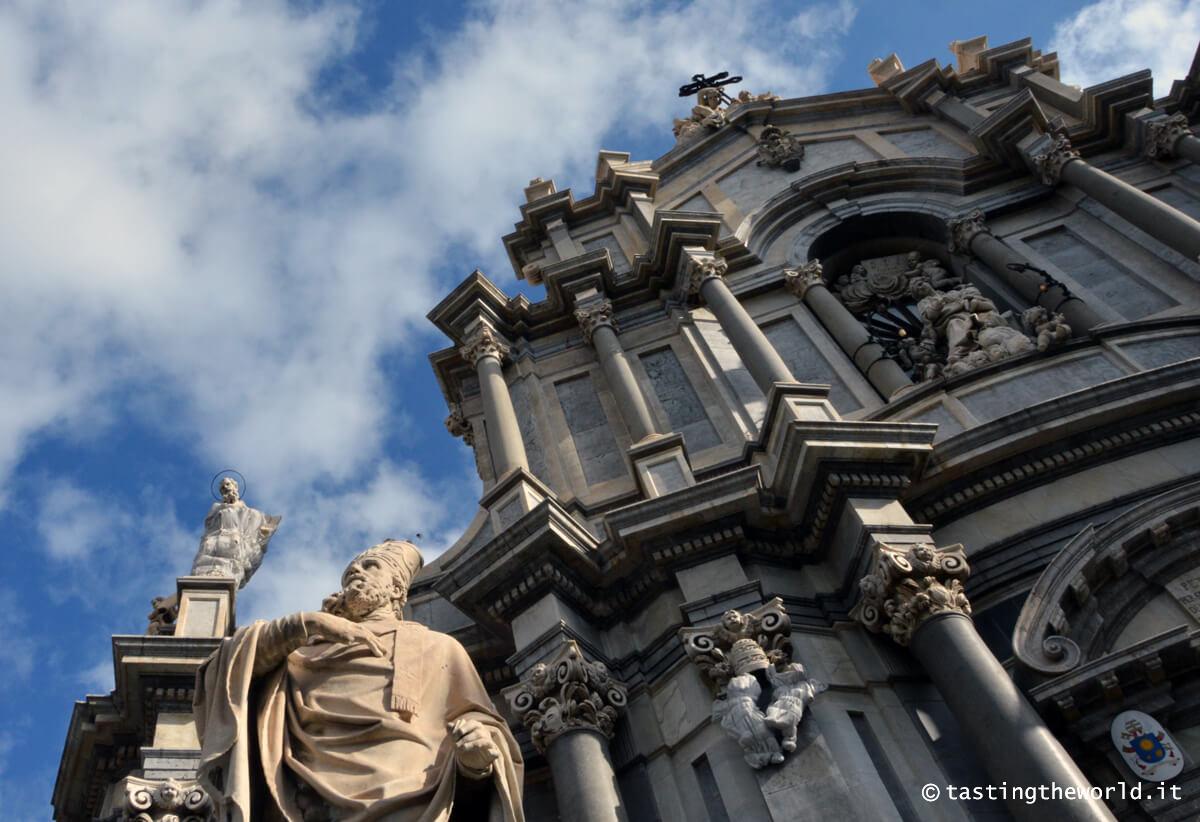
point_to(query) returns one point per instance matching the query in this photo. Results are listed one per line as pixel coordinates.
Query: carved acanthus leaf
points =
(1051, 164)
(593, 316)
(908, 584)
(701, 269)
(1162, 136)
(484, 341)
(799, 280)
(569, 693)
(962, 230)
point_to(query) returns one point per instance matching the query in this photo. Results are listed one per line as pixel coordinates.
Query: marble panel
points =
(594, 441)
(806, 362)
(1163, 350)
(1032, 387)
(679, 400)
(522, 401)
(926, 142)
(1106, 278)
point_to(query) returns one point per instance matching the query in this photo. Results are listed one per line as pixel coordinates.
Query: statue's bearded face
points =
(367, 585)
(229, 489)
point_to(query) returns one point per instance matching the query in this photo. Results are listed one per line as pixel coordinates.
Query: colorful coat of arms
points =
(1146, 746)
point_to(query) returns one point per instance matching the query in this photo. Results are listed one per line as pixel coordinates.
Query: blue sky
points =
(223, 223)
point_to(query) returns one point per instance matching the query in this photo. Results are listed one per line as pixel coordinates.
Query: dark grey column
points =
(596, 320)
(485, 350)
(808, 283)
(914, 594)
(574, 737)
(706, 277)
(1062, 163)
(969, 235)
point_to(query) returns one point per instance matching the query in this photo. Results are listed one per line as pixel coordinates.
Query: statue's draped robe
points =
(324, 716)
(235, 540)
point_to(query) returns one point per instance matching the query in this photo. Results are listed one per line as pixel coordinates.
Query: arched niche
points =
(877, 235)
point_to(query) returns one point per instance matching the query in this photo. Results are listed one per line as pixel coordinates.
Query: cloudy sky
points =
(222, 224)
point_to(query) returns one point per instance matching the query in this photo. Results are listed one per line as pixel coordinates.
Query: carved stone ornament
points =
(1162, 136)
(163, 614)
(459, 426)
(799, 280)
(569, 693)
(594, 315)
(235, 539)
(961, 231)
(701, 269)
(908, 584)
(484, 342)
(744, 657)
(779, 148)
(167, 801)
(707, 116)
(1051, 163)
(1049, 330)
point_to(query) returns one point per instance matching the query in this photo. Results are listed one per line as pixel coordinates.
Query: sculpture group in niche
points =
(747, 659)
(934, 323)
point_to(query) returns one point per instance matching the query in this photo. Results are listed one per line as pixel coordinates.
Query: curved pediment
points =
(1113, 587)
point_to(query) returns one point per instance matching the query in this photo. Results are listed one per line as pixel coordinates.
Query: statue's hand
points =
(474, 749)
(341, 630)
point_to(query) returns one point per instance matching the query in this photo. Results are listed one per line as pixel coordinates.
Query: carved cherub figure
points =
(1047, 329)
(739, 714)
(791, 692)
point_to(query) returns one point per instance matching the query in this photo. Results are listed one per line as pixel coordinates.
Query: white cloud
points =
(1113, 38)
(199, 241)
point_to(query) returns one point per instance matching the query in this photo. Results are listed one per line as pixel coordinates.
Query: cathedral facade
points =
(847, 468)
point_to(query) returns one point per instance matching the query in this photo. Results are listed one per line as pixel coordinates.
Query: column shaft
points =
(503, 433)
(1188, 147)
(1151, 215)
(630, 399)
(997, 255)
(585, 785)
(883, 372)
(1006, 733)
(751, 344)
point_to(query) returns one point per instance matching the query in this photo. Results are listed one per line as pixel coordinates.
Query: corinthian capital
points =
(594, 315)
(1162, 135)
(908, 584)
(459, 426)
(700, 269)
(962, 230)
(799, 280)
(1051, 163)
(568, 693)
(483, 342)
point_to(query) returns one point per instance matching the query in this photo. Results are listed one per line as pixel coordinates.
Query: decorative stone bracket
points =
(459, 426)
(908, 584)
(568, 693)
(743, 656)
(167, 801)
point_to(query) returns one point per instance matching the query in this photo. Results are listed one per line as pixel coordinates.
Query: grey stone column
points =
(1063, 163)
(485, 349)
(570, 706)
(1171, 137)
(596, 320)
(914, 594)
(969, 235)
(706, 277)
(808, 284)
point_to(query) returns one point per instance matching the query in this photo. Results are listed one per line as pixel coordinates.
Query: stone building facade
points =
(851, 449)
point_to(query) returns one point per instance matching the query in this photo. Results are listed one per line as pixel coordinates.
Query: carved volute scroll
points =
(799, 280)
(459, 426)
(568, 693)
(910, 583)
(701, 269)
(166, 801)
(743, 658)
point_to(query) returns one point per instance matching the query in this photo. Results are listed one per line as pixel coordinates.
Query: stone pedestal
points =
(206, 606)
(513, 496)
(661, 465)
